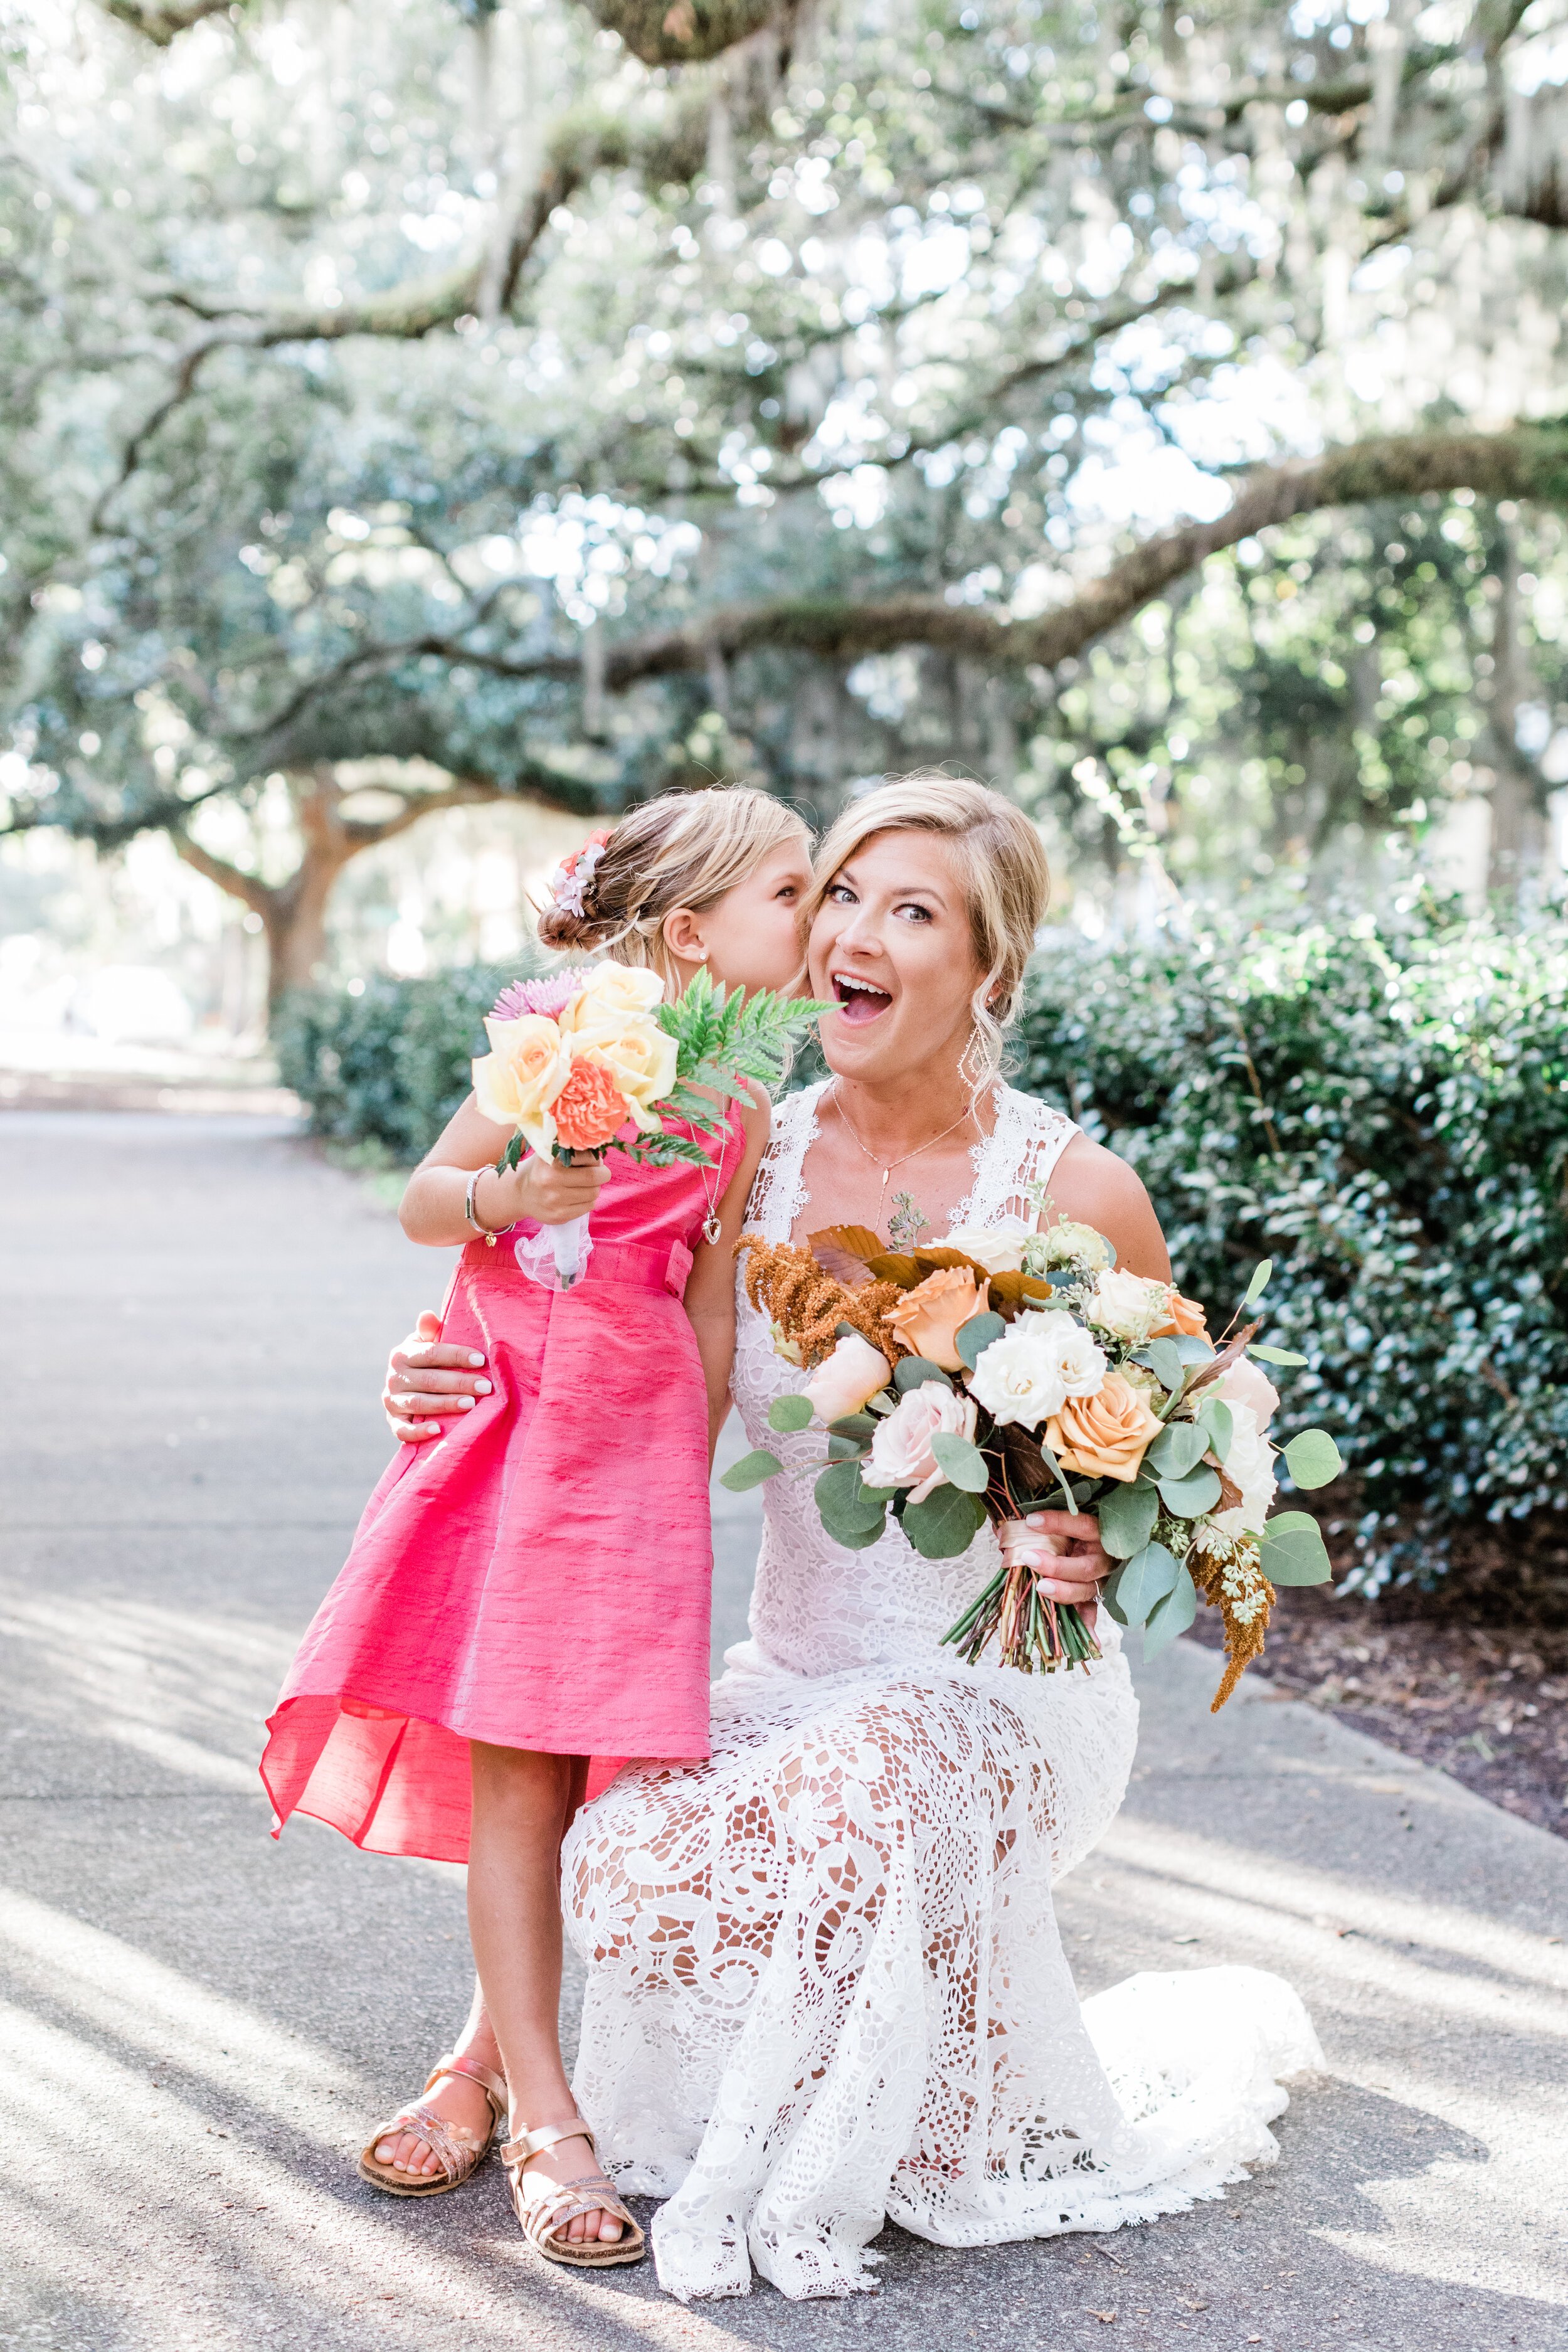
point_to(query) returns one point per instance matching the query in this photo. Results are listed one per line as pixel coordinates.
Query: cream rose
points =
(1250, 1464)
(999, 1248)
(848, 1378)
(900, 1451)
(929, 1317)
(612, 991)
(1128, 1306)
(1039, 1361)
(1246, 1383)
(638, 1056)
(1068, 1243)
(516, 1082)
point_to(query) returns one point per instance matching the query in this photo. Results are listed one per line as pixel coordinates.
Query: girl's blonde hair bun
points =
(683, 849)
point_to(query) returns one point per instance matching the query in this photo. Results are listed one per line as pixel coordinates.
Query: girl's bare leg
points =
(456, 2098)
(523, 1803)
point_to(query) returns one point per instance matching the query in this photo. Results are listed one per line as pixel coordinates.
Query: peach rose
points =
(589, 1109)
(1184, 1319)
(926, 1316)
(519, 1079)
(1104, 1435)
(848, 1378)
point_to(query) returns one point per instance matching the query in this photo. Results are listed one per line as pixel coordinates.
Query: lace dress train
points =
(825, 1982)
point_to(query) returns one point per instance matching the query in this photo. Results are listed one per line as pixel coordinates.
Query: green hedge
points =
(391, 1064)
(1381, 1108)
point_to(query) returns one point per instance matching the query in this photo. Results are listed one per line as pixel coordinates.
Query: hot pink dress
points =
(540, 1577)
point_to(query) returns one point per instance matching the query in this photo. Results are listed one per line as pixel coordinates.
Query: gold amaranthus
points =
(1231, 1579)
(808, 1304)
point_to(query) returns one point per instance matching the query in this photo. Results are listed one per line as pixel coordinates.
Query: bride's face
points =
(890, 949)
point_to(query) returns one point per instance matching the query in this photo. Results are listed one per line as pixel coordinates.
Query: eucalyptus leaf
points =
(1192, 1349)
(858, 1425)
(973, 1339)
(1127, 1516)
(1273, 1355)
(1144, 1583)
(945, 1524)
(844, 1449)
(1216, 1421)
(1162, 1357)
(1293, 1550)
(963, 1463)
(862, 1539)
(1259, 1283)
(1171, 1616)
(1108, 1593)
(750, 1471)
(848, 1507)
(789, 1412)
(1190, 1497)
(914, 1371)
(1312, 1458)
(1179, 1447)
(881, 1403)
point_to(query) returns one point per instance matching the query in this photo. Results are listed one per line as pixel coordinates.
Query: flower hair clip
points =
(572, 877)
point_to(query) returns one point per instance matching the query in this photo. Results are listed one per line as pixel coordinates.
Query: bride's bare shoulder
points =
(1092, 1186)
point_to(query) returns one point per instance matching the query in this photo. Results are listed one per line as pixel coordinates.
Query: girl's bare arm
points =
(711, 1292)
(551, 1192)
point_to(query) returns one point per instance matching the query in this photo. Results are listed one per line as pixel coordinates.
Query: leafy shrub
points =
(1383, 1109)
(390, 1066)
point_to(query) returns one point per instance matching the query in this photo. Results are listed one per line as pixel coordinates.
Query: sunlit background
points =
(429, 425)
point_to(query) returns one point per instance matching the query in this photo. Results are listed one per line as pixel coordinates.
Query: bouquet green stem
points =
(1034, 1633)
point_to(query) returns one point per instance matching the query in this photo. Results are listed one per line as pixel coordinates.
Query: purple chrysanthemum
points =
(547, 996)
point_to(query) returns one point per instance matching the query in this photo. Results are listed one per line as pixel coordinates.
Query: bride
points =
(824, 1984)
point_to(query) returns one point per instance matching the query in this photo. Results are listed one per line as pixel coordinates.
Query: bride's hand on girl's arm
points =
(425, 1378)
(1070, 1545)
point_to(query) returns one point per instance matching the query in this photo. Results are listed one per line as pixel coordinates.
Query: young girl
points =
(533, 1591)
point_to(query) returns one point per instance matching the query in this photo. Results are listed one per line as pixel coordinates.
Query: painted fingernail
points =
(476, 1360)
(464, 1404)
(481, 1388)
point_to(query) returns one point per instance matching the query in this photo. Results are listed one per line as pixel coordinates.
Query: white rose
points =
(1068, 1243)
(1040, 1361)
(1127, 1306)
(901, 1450)
(999, 1248)
(1250, 1464)
(848, 1378)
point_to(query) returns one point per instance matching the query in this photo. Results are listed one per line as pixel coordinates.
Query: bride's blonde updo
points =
(1006, 880)
(683, 849)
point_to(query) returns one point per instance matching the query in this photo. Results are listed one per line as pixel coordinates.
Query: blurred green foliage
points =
(388, 1065)
(1381, 1106)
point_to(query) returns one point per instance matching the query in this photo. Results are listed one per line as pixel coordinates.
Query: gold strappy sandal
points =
(538, 2203)
(458, 2155)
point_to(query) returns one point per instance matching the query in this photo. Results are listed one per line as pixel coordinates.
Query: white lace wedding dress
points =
(825, 1982)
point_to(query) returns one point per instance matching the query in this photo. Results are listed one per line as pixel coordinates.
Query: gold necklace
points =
(875, 1157)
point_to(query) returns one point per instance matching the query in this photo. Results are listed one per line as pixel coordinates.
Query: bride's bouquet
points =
(1004, 1371)
(594, 1057)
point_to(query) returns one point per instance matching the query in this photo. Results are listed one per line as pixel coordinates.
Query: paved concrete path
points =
(199, 2025)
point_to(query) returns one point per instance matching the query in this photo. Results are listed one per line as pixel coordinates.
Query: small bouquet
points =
(594, 1057)
(1002, 1372)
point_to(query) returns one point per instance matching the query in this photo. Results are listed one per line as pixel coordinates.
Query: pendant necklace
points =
(712, 1228)
(875, 1157)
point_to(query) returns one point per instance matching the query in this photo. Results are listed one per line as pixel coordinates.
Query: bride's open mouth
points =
(859, 1001)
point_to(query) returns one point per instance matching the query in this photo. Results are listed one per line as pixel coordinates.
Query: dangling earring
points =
(975, 1063)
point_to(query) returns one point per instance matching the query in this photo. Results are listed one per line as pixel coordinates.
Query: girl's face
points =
(891, 949)
(753, 933)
